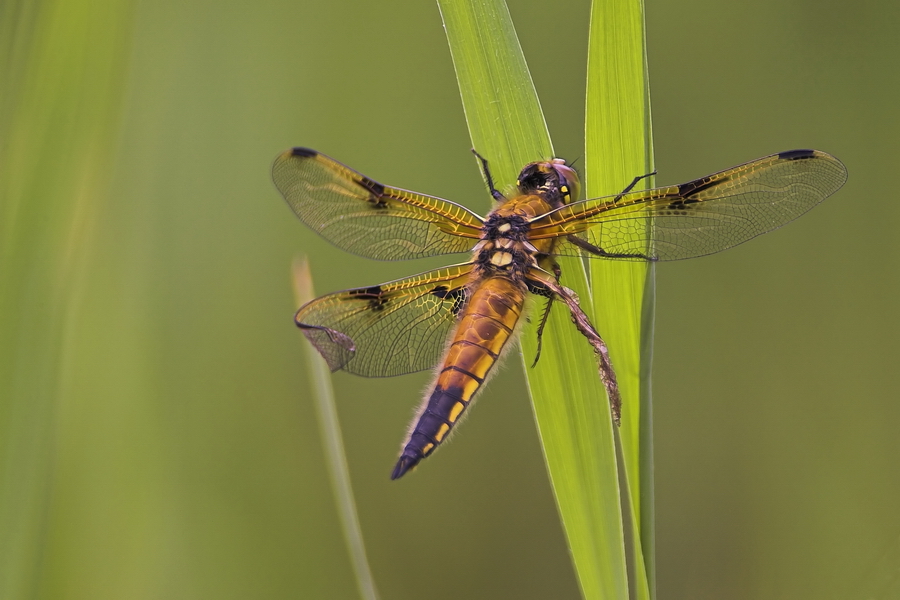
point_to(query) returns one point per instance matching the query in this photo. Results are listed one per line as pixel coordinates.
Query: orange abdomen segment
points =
(486, 325)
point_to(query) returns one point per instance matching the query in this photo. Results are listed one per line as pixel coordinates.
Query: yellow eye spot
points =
(564, 189)
(442, 432)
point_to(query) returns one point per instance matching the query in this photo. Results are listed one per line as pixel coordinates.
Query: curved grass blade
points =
(333, 445)
(571, 410)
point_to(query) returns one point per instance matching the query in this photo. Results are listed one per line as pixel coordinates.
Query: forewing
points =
(702, 216)
(389, 329)
(367, 218)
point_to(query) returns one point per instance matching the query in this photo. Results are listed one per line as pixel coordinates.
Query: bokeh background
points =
(159, 438)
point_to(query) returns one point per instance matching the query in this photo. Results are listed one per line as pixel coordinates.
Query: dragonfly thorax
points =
(504, 246)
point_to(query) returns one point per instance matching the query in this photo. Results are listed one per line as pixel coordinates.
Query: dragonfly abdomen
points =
(485, 327)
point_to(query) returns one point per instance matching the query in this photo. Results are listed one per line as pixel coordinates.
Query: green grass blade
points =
(63, 64)
(618, 147)
(502, 108)
(333, 445)
(570, 406)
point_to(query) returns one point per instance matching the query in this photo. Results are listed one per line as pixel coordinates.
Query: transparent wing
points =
(700, 217)
(389, 329)
(367, 218)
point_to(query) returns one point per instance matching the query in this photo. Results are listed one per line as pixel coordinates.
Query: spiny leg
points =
(557, 272)
(597, 251)
(490, 180)
(633, 183)
(583, 324)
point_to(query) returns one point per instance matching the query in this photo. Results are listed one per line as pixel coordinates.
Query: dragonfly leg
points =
(633, 183)
(557, 272)
(597, 251)
(490, 180)
(583, 324)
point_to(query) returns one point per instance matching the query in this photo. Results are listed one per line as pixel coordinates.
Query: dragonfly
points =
(460, 320)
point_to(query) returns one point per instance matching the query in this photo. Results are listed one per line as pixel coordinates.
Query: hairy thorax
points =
(504, 249)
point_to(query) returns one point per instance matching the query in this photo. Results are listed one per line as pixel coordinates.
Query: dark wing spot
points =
(368, 292)
(693, 187)
(373, 295)
(457, 296)
(304, 152)
(797, 154)
(372, 185)
(441, 291)
(682, 204)
(376, 192)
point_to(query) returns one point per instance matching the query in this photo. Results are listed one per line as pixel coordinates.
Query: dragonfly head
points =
(552, 179)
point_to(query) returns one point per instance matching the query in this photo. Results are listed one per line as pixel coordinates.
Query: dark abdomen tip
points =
(404, 465)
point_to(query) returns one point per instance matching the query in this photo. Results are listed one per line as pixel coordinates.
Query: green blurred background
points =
(158, 435)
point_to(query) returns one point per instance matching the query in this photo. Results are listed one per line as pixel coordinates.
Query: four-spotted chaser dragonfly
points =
(462, 316)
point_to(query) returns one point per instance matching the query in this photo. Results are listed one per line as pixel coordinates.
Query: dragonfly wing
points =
(367, 218)
(389, 329)
(700, 217)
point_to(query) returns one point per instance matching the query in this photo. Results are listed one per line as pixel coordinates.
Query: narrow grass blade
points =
(502, 108)
(618, 147)
(333, 445)
(570, 405)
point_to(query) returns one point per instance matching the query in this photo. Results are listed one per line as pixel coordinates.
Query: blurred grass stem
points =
(333, 445)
